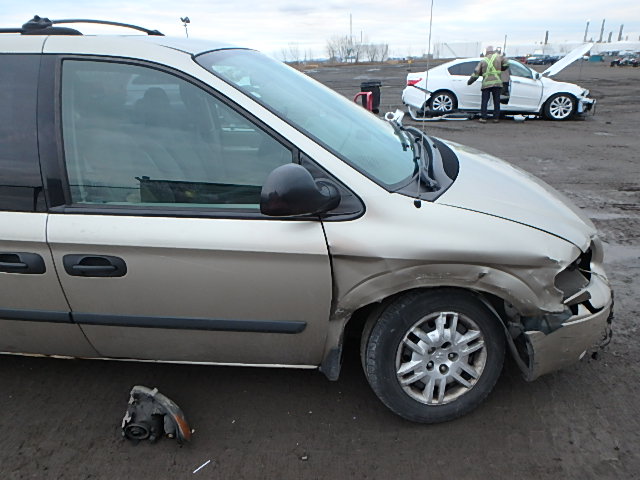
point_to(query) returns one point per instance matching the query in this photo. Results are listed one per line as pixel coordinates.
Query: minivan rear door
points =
(34, 315)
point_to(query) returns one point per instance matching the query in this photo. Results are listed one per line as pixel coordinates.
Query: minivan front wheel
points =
(432, 356)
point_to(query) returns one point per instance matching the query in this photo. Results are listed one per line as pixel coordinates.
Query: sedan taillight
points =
(412, 82)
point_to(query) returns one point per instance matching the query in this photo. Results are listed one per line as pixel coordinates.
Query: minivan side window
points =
(20, 180)
(134, 135)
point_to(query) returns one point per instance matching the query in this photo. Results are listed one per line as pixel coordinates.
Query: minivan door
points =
(34, 315)
(161, 249)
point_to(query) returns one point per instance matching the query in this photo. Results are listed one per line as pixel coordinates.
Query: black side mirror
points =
(291, 190)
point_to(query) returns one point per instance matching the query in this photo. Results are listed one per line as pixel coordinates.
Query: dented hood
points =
(494, 187)
(567, 60)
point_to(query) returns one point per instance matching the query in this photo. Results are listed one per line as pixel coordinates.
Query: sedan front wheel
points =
(560, 106)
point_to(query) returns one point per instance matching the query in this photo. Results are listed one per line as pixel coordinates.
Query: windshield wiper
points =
(407, 142)
(421, 159)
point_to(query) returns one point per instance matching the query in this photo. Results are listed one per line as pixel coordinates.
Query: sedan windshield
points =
(361, 139)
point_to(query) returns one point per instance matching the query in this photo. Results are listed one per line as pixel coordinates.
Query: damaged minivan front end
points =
(574, 308)
(495, 235)
(552, 340)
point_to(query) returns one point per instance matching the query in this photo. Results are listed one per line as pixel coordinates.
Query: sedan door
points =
(469, 96)
(526, 89)
(161, 247)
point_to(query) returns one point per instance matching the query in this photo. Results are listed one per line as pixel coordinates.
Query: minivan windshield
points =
(352, 133)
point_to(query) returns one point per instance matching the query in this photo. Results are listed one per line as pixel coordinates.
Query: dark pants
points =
(495, 92)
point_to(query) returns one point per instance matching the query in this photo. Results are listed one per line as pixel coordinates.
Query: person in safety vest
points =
(490, 68)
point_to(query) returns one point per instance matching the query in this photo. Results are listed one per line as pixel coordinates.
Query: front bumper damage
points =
(553, 341)
(585, 105)
(548, 352)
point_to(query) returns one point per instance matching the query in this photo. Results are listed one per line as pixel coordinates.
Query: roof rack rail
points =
(43, 26)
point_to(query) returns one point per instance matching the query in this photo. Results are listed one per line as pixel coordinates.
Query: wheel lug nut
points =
(444, 369)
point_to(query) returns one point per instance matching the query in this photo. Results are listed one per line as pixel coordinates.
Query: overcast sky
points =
(272, 25)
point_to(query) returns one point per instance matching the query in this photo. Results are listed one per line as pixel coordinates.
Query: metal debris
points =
(202, 466)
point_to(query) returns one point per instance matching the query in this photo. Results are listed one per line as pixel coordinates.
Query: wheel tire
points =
(561, 106)
(443, 102)
(388, 359)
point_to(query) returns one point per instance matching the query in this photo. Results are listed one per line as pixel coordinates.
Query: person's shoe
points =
(483, 120)
(495, 120)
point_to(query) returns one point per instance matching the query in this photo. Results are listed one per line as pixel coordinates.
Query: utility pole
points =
(504, 47)
(185, 21)
(351, 28)
(601, 30)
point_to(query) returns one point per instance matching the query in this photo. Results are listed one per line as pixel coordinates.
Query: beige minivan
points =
(183, 201)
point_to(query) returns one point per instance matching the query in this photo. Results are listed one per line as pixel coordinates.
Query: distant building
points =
(473, 49)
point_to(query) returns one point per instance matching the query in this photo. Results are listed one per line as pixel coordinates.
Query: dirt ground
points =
(61, 419)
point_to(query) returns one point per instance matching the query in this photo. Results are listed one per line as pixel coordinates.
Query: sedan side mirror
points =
(537, 76)
(291, 190)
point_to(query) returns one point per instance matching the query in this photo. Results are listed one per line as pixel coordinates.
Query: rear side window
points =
(20, 180)
(465, 68)
(137, 136)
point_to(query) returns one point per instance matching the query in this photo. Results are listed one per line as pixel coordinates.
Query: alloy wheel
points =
(440, 358)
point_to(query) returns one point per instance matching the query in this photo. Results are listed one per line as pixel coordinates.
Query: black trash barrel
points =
(372, 86)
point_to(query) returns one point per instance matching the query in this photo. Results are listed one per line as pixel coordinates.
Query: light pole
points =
(185, 21)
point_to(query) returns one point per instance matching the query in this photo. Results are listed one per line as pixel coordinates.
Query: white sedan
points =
(529, 92)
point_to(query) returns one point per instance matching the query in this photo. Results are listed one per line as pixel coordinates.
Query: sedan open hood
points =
(567, 60)
(488, 185)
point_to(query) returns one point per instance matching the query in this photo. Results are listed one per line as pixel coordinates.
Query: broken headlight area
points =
(574, 281)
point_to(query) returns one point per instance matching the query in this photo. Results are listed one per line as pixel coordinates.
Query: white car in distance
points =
(445, 90)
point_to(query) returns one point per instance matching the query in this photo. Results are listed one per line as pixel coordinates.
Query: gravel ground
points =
(61, 418)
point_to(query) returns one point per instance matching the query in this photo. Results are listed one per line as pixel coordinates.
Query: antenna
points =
(426, 80)
(185, 21)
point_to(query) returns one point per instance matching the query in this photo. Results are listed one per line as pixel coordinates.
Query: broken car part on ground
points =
(150, 416)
